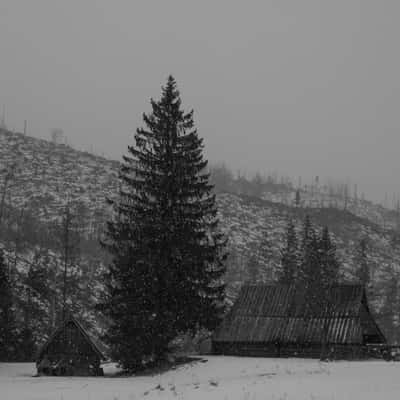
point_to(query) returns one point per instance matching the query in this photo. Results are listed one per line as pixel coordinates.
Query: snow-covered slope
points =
(44, 176)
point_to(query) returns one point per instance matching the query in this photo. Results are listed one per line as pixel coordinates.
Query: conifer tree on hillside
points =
(168, 254)
(390, 308)
(309, 274)
(221, 178)
(37, 289)
(362, 272)
(289, 256)
(256, 185)
(319, 266)
(329, 276)
(309, 270)
(319, 272)
(7, 318)
(329, 263)
(264, 254)
(260, 265)
(297, 198)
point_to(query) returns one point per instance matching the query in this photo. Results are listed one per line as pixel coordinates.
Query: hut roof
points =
(280, 313)
(68, 320)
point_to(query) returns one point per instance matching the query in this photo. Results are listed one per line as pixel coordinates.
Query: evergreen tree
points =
(309, 271)
(361, 260)
(297, 199)
(328, 277)
(390, 306)
(7, 318)
(221, 178)
(256, 186)
(289, 256)
(319, 272)
(329, 263)
(319, 266)
(265, 254)
(168, 254)
(37, 290)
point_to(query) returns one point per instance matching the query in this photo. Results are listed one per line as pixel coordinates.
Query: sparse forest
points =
(41, 180)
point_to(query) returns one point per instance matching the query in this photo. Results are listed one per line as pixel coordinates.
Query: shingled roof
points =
(279, 313)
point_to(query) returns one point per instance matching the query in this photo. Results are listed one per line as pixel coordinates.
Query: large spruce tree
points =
(167, 252)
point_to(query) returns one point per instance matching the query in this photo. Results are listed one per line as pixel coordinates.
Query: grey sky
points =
(301, 87)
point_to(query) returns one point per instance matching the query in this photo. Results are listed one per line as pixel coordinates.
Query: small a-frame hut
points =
(70, 351)
(275, 320)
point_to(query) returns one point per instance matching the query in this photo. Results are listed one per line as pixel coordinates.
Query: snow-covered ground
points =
(217, 378)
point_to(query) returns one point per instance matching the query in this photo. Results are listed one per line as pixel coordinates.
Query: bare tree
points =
(67, 238)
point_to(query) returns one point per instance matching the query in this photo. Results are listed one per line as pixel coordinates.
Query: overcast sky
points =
(301, 87)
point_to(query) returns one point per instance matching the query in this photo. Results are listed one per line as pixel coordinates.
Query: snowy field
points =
(217, 378)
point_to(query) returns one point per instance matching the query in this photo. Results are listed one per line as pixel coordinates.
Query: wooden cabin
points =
(275, 320)
(70, 351)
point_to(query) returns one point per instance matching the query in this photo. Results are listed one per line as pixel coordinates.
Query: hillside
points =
(38, 178)
(44, 176)
(338, 197)
(248, 220)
